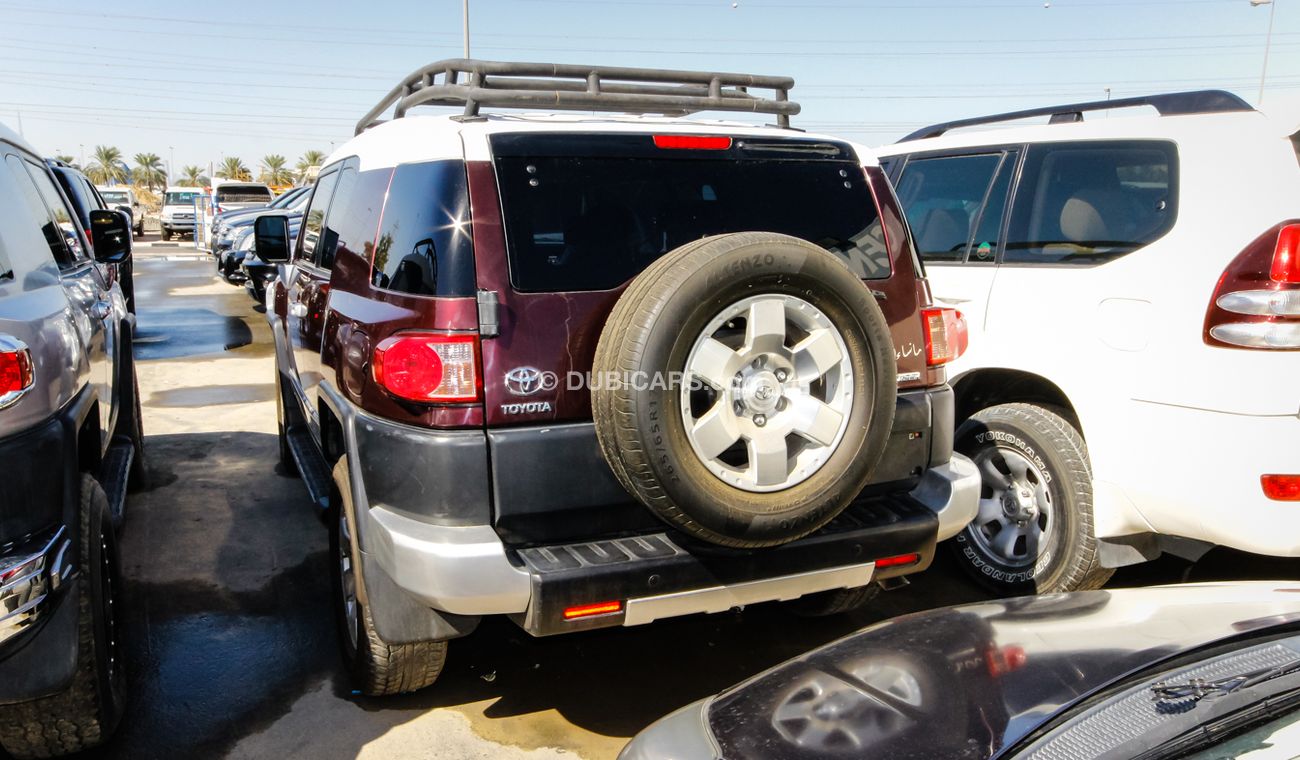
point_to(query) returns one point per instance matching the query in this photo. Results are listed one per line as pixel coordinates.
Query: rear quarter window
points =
(244, 193)
(424, 246)
(1091, 202)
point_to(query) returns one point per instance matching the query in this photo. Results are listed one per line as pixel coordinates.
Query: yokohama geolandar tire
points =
(744, 388)
(87, 712)
(1034, 532)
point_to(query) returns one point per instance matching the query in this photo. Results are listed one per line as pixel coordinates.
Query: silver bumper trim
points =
(952, 491)
(648, 609)
(29, 574)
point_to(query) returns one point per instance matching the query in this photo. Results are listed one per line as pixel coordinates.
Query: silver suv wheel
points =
(764, 406)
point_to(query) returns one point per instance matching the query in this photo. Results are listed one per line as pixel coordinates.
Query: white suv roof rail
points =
(1169, 104)
(571, 87)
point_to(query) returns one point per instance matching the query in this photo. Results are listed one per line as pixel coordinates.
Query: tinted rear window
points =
(424, 245)
(245, 193)
(583, 222)
(113, 196)
(180, 199)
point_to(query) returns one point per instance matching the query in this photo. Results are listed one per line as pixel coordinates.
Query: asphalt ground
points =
(232, 643)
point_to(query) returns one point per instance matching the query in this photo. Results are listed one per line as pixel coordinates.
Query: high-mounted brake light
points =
(16, 374)
(1256, 303)
(1281, 487)
(946, 336)
(692, 142)
(432, 368)
(592, 610)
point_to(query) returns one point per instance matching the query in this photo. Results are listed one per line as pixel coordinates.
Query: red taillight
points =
(1286, 256)
(15, 368)
(946, 336)
(1256, 303)
(898, 561)
(692, 142)
(592, 610)
(1281, 487)
(436, 368)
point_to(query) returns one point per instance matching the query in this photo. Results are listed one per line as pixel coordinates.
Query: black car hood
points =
(969, 682)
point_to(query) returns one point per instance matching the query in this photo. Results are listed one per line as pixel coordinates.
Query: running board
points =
(115, 476)
(311, 466)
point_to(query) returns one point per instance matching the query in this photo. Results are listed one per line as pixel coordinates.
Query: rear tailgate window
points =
(244, 194)
(589, 212)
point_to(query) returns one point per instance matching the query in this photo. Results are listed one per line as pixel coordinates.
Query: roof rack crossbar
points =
(1171, 104)
(474, 84)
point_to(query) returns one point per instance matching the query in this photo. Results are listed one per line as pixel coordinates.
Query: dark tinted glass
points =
(314, 221)
(353, 215)
(116, 197)
(988, 230)
(76, 191)
(243, 193)
(425, 246)
(575, 223)
(53, 225)
(1087, 203)
(942, 198)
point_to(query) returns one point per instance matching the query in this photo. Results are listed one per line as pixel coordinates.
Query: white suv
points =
(1132, 286)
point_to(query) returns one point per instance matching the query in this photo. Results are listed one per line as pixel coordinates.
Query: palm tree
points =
(233, 168)
(274, 171)
(107, 166)
(192, 176)
(309, 159)
(149, 170)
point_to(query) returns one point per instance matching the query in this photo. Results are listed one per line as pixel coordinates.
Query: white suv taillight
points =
(1257, 301)
(15, 370)
(946, 336)
(432, 368)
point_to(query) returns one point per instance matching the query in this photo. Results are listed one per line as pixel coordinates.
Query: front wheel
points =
(377, 668)
(86, 714)
(1034, 530)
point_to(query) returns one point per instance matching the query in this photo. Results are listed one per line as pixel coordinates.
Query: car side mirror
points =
(271, 238)
(110, 234)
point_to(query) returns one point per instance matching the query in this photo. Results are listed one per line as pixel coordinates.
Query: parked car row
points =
(586, 373)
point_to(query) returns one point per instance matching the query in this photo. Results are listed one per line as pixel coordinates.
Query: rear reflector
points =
(898, 561)
(429, 367)
(946, 336)
(692, 142)
(592, 610)
(1281, 487)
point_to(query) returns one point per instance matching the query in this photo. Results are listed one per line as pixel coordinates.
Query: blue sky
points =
(202, 80)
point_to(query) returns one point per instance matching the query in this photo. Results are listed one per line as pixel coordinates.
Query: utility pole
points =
(83, 153)
(465, 26)
(171, 164)
(20, 126)
(1268, 42)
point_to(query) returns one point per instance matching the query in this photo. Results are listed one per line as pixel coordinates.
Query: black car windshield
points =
(180, 199)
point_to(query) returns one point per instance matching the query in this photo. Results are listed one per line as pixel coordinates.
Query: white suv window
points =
(1088, 203)
(943, 198)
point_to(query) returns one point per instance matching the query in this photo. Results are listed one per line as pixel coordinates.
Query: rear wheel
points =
(1034, 530)
(377, 668)
(86, 714)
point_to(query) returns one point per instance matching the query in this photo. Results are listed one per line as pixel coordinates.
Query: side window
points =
(943, 198)
(988, 228)
(53, 225)
(313, 223)
(425, 246)
(1088, 203)
(353, 214)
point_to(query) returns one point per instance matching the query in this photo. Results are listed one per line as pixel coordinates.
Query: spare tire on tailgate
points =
(744, 388)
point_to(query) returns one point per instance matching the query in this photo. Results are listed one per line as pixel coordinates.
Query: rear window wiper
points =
(1181, 696)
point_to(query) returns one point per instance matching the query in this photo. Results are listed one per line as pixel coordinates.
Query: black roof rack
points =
(1170, 104)
(569, 87)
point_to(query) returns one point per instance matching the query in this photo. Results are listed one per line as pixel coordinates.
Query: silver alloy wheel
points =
(776, 396)
(1014, 522)
(347, 579)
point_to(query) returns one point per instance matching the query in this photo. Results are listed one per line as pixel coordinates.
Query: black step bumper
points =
(630, 581)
